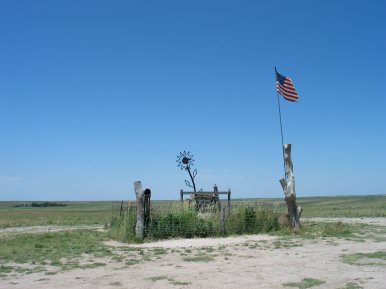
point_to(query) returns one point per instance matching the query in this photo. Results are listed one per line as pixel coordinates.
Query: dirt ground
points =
(255, 261)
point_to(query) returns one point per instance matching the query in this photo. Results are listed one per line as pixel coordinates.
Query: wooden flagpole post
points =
(285, 87)
(281, 131)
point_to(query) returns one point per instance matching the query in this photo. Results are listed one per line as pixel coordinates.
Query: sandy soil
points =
(258, 261)
(368, 221)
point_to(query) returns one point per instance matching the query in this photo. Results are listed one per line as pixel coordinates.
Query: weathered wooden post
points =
(139, 228)
(288, 184)
(222, 219)
(215, 190)
(216, 199)
(121, 209)
(182, 196)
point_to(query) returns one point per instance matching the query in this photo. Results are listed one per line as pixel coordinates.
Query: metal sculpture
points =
(185, 161)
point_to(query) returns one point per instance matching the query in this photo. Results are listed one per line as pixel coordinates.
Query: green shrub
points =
(185, 223)
(249, 220)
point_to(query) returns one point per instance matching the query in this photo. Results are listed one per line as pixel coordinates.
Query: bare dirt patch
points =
(47, 229)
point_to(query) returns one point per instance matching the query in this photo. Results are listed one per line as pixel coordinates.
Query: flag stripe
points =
(288, 96)
(286, 88)
(283, 90)
(291, 99)
(289, 85)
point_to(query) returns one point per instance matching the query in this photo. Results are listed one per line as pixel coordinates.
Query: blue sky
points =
(98, 94)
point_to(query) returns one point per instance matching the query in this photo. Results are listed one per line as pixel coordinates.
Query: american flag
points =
(285, 87)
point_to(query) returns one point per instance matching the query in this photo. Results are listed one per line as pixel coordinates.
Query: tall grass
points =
(123, 227)
(252, 220)
(184, 221)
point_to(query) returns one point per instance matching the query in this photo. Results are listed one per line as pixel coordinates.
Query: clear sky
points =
(98, 94)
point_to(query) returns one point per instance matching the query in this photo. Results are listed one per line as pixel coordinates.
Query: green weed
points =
(157, 278)
(199, 258)
(132, 262)
(352, 285)
(159, 251)
(375, 259)
(305, 283)
(171, 280)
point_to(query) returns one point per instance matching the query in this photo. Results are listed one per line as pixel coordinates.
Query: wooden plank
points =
(204, 193)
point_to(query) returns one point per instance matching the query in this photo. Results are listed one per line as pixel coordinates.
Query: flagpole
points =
(281, 132)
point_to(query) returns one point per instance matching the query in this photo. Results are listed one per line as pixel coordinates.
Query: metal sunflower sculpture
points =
(185, 161)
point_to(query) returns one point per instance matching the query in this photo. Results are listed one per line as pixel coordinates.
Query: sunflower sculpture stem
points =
(191, 177)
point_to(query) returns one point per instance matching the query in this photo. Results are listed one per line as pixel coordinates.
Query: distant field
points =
(76, 213)
(350, 206)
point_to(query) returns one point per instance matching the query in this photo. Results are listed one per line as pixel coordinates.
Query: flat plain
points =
(342, 245)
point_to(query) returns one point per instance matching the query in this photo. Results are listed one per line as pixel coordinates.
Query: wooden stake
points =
(222, 219)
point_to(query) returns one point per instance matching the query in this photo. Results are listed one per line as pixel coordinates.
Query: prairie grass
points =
(184, 221)
(345, 206)
(74, 213)
(313, 230)
(53, 249)
(327, 207)
(102, 212)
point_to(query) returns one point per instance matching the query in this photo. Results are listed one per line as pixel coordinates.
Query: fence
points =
(202, 199)
(171, 219)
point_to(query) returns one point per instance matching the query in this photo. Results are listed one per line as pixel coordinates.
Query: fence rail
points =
(202, 194)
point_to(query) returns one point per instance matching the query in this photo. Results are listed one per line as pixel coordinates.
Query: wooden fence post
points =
(139, 228)
(222, 219)
(182, 196)
(121, 209)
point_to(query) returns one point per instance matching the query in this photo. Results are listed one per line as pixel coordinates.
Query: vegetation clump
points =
(179, 221)
(373, 259)
(40, 205)
(305, 283)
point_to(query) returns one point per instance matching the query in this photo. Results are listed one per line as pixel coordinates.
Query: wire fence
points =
(173, 219)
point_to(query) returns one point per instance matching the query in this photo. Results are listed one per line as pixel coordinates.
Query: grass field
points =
(350, 206)
(76, 213)
(55, 253)
(327, 207)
